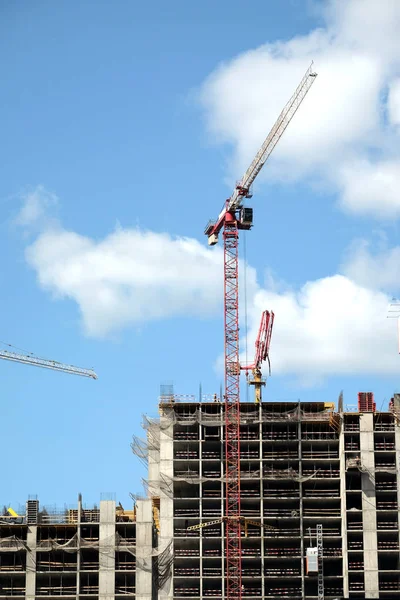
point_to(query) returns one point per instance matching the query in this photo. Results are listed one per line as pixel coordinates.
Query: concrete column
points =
(78, 545)
(397, 442)
(107, 550)
(144, 548)
(342, 457)
(302, 532)
(260, 448)
(369, 505)
(223, 505)
(31, 539)
(199, 433)
(166, 500)
(144, 580)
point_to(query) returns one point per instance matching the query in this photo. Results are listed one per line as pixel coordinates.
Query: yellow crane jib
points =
(244, 521)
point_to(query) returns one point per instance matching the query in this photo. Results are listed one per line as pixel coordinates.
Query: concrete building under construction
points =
(310, 476)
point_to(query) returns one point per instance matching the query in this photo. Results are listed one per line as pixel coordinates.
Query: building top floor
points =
(33, 513)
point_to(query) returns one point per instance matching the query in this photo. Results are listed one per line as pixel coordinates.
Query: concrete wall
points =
(397, 442)
(345, 555)
(107, 550)
(166, 490)
(31, 563)
(369, 506)
(144, 538)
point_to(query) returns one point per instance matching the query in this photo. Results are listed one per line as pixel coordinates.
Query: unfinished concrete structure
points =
(302, 464)
(70, 553)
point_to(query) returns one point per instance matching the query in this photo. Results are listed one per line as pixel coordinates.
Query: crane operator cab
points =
(245, 220)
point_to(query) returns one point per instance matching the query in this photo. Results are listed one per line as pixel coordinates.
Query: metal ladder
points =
(320, 549)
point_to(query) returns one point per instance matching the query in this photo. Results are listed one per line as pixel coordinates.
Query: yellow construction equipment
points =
(244, 521)
(156, 512)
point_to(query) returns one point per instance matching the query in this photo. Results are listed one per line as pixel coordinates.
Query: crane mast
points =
(28, 359)
(232, 411)
(234, 217)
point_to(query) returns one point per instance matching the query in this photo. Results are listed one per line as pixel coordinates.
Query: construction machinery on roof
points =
(233, 218)
(262, 344)
(29, 359)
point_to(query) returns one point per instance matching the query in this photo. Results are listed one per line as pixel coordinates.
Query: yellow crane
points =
(244, 523)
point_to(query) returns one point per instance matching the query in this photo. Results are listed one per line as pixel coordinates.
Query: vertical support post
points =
(301, 508)
(232, 409)
(166, 473)
(32, 519)
(368, 497)
(397, 446)
(264, 550)
(78, 544)
(201, 436)
(343, 506)
(107, 550)
(31, 541)
(320, 549)
(144, 546)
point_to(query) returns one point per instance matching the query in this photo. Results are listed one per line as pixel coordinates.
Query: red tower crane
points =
(234, 217)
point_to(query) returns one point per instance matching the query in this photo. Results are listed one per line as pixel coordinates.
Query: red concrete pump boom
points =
(233, 217)
(263, 341)
(262, 345)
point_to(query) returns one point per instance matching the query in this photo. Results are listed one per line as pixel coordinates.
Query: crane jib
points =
(46, 364)
(273, 137)
(242, 190)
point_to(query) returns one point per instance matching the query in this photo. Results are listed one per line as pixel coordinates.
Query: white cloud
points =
(366, 24)
(129, 277)
(394, 102)
(35, 207)
(369, 188)
(357, 55)
(335, 325)
(379, 270)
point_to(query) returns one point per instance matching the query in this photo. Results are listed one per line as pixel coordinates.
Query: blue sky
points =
(124, 128)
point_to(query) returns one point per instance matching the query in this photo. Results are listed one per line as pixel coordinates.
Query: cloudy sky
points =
(124, 129)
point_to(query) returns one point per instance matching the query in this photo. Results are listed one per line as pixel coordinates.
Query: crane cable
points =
(16, 348)
(245, 310)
